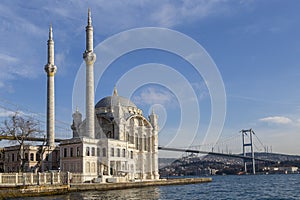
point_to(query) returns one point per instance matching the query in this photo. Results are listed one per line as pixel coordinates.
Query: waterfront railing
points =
(10, 179)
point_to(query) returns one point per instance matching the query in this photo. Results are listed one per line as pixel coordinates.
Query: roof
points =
(111, 101)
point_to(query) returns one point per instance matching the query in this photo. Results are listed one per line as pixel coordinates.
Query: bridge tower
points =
(250, 143)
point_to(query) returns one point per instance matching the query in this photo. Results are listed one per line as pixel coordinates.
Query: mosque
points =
(115, 142)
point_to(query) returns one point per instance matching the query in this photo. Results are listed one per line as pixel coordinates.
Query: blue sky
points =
(254, 44)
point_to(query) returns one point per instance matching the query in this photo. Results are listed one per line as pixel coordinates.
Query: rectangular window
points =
(93, 151)
(104, 152)
(71, 152)
(136, 143)
(98, 152)
(145, 144)
(47, 157)
(37, 157)
(78, 151)
(31, 157)
(118, 152)
(13, 157)
(149, 144)
(65, 152)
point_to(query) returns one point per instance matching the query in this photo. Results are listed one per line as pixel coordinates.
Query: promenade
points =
(48, 189)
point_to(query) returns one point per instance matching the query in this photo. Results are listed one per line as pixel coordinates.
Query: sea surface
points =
(223, 187)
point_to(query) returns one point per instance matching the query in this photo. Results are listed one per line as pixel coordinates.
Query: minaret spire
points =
(50, 32)
(89, 17)
(90, 57)
(89, 33)
(50, 69)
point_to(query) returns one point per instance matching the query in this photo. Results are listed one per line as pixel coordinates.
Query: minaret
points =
(90, 57)
(50, 69)
(154, 122)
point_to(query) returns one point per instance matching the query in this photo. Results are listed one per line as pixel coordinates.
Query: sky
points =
(248, 48)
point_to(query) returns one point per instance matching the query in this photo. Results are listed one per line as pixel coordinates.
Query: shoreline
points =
(46, 190)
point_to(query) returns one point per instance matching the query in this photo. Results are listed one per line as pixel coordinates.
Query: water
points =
(223, 187)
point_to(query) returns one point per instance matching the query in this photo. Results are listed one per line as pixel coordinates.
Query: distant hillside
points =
(195, 164)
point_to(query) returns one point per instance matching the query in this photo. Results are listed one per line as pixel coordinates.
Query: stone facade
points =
(36, 158)
(124, 147)
(115, 142)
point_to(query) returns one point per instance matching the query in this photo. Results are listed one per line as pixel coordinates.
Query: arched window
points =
(124, 153)
(87, 151)
(112, 152)
(77, 151)
(131, 154)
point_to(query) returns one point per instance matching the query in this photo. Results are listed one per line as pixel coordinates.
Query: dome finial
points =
(115, 91)
(152, 111)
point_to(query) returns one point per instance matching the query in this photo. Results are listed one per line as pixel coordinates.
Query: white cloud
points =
(24, 27)
(152, 96)
(6, 113)
(277, 120)
(171, 13)
(12, 68)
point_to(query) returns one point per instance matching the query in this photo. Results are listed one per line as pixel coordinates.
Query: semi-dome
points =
(111, 101)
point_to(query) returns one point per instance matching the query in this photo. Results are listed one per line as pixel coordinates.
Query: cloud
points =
(25, 26)
(171, 13)
(6, 113)
(151, 96)
(12, 68)
(277, 120)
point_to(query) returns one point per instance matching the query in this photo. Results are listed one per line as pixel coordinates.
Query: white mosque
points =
(115, 142)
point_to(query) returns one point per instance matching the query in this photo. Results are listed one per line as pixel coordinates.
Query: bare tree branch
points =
(21, 128)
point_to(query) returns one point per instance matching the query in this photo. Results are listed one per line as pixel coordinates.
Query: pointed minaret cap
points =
(50, 32)
(115, 91)
(89, 17)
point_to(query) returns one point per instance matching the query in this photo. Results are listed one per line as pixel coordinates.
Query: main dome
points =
(111, 101)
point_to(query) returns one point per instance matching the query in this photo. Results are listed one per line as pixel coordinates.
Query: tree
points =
(21, 128)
